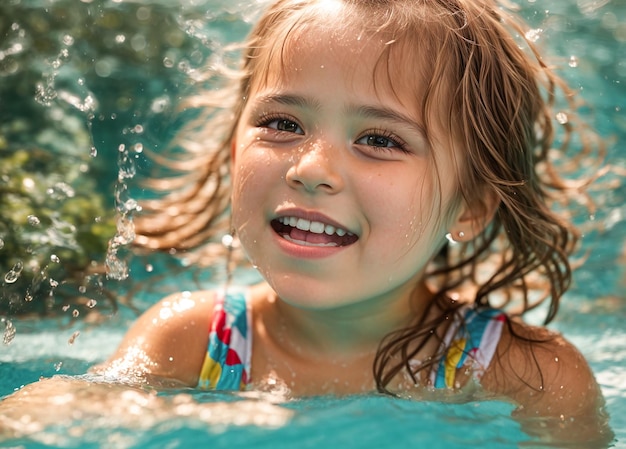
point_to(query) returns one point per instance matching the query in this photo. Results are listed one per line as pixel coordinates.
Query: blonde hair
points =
(500, 99)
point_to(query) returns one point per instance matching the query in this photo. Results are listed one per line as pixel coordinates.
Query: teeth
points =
(315, 227)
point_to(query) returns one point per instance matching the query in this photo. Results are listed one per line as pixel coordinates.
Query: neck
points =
(347, 331)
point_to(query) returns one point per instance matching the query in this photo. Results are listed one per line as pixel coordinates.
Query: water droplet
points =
(130, 205)
(75, 313)
(33, 220)
(82, 289)
(1, 243)
(57, 366)
(138, 129)
(54, 258)
(14, 273)
(534, 34)
(9, 331)
(227, 241)
(149, 268)
(73, 338)
(53, 283)
(68, 39)
(92, 303)
(28, 183)
(562, 118)
(138, 148)
(573, 61)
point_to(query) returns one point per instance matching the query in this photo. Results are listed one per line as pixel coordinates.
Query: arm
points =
(168, 341)
(557, 395)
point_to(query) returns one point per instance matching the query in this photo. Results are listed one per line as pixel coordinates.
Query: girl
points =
(387, 167)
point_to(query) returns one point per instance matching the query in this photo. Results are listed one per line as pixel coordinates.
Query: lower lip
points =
(306, 252)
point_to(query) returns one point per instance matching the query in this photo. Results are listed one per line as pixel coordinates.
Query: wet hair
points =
(496, 98)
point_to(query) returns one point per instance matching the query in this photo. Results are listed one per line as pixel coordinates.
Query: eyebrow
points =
(372, 112)
(382, 113)
(291, 100)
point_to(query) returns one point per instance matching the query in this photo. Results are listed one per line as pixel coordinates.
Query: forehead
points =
(331, 37)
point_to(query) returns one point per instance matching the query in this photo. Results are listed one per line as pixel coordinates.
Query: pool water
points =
(112, 69)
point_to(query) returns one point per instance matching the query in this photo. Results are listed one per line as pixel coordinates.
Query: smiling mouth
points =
(312, 233)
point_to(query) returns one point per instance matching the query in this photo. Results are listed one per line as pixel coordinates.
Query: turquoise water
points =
(112, 71)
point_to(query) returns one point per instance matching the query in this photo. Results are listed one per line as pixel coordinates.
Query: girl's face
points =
(338, 198)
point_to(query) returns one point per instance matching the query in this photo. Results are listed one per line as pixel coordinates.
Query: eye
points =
(382, 141)
(284, 124)
(377, 141)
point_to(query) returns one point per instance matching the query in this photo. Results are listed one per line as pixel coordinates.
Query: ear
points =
(474, 217)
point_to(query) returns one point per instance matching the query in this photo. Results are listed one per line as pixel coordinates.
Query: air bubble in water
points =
(149, 268)
(92, 303)
(1, 243)
(57, 366)
(54, 258)
(573, 61)
(53, 283)
(82, 289)
(33, 220)
(75, 313)
(562, 118)
(93, 152)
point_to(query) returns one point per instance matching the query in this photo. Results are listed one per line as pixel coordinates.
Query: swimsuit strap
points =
(227, 362)
(471, 340)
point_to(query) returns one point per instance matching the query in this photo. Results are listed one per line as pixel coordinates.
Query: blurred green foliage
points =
(54, 228)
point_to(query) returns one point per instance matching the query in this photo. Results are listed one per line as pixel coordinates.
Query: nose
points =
(316, 169)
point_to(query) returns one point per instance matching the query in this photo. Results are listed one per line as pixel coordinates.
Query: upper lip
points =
(311, 216)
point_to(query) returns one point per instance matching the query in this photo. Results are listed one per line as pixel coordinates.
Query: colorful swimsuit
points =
(227, 362)
(471, 340)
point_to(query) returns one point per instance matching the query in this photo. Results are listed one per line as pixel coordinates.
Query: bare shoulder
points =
(547, 377)
(543, 372)
(169, 340)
